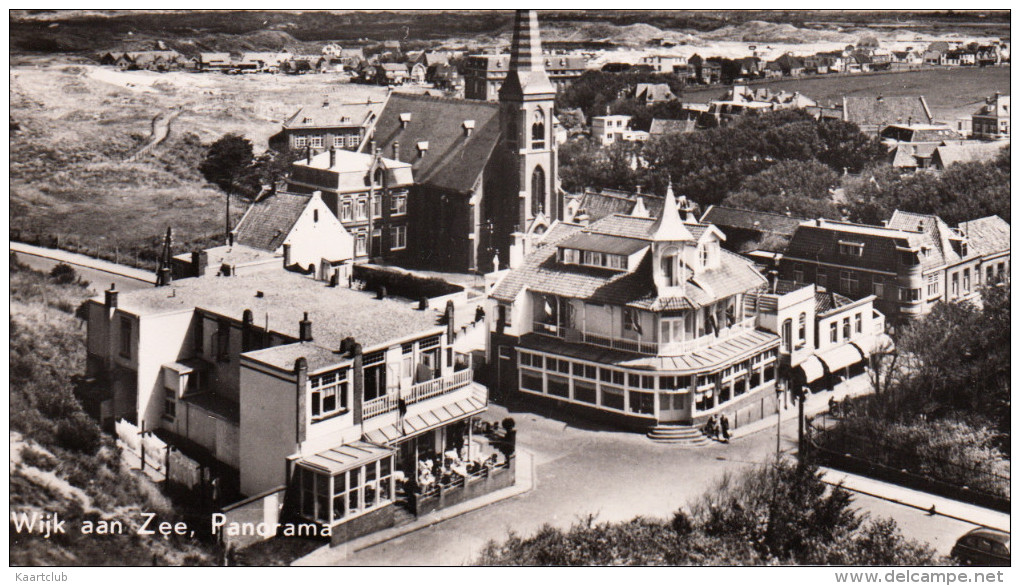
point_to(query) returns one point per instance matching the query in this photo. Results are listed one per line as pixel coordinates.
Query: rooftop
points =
(231, 255)
(352, 169)
(987, 235)
(751, 220)
(267, 223)
(281, 298)
(335, 114)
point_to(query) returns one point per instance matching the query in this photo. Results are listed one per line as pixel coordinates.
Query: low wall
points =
(565, 411)
(745, 410)
(444, 497)
(257, 517)
(368, 523)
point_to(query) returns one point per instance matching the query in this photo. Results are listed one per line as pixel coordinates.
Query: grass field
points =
(77, 126)
(950, 93)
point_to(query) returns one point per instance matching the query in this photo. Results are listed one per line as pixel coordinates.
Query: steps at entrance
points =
(686, 435)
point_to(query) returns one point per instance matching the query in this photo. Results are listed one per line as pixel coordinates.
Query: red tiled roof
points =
(267, 223)
(454, 161)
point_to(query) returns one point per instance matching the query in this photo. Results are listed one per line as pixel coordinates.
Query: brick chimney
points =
(358, 384)
(449, 317)
(301, 386)
(111, 297)
(332, 157)
(305, 329)
(199, 262)
(396, 150)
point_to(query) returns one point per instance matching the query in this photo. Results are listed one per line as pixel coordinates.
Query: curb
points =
(345, 550)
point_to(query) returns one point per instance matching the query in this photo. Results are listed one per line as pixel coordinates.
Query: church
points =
(485, 174)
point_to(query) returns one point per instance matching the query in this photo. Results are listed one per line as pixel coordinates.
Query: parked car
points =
(982, 547)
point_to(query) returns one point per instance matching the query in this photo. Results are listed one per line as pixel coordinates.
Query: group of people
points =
(718, 427)
(441, 468)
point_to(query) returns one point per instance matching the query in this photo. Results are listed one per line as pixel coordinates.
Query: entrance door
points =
(674, 407)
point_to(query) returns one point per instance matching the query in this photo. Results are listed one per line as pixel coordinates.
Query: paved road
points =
(616, 476)
(98, 279)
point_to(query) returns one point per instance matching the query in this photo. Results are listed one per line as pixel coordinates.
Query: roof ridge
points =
(427, 98)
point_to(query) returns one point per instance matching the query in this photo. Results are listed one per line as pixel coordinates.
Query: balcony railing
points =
(419, 392)
(646, 347)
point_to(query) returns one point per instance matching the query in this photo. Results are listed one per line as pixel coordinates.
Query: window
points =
(787, 334)
(956, 284)
(703, 255)
(798, 273)
(361, 212)
(990, 274)
(908, 295)
(360, 242)
(169, 405)
(374, 366)
(223, 340)
(933, 284)
(851, 248)
(398, 204)
(345, 210)
(878, 287)
(846, 328)
(538, 131)
(315, 142)
(199, 334)
(833, 332)
(848, 282)
(399, 234)
(300, 142)
(329, 393)
(802, 330)
(594, 259)
(125, 337)
(315, 215)
(641, 402)
(632, 320)
(908, 258)
(353, 140)
(537, 191)
(858, 323)
(966, 281)
(377, 206)
(821, 277)
(357, 490)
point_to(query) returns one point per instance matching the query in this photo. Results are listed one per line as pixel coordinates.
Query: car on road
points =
(982, 547)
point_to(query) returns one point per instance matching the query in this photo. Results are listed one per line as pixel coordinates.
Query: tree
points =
(229, 165)
(800, 188)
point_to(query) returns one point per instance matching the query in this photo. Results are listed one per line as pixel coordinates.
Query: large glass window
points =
(329, 393)
(374, 366)
(398, 204)
(399, 235)
(641, 402)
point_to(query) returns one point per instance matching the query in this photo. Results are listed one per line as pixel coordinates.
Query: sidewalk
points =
(918, 500)
(524, 482)
(84, 261)
(814, 404)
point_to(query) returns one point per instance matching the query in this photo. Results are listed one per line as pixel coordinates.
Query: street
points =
(98, 279)
(586, 470)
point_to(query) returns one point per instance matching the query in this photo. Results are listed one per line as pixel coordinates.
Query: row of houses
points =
(223, 62)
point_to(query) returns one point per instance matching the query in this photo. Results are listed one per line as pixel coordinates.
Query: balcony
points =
(646, 347)
(418, 393)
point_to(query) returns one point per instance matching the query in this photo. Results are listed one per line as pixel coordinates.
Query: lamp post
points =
(780, 388)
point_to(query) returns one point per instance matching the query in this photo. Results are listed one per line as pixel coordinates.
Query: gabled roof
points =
(607, 202)
(883, 110)
(828, 300)
(454, 161)
(662, 126)
(997, 105)
(656, 92)
(946, 155)
(987, 235)
(603, 243)
(267, 223)
(349, 171)
(725, 217)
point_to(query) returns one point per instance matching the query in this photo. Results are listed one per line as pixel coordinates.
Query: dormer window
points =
(591, 258)
(851, 248)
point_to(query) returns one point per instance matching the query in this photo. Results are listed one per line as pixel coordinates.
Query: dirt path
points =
(160, 132)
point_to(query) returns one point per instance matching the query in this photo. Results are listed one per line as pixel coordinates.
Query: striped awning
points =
(842, 357)
(812, 368)
(418, 423)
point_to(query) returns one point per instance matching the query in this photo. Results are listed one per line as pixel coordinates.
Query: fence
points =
(161, 460)
(835, 448)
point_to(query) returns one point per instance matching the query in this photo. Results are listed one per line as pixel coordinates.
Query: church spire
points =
(670, 226)
(527, 76)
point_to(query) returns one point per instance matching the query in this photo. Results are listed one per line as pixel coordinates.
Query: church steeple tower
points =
(526, 102)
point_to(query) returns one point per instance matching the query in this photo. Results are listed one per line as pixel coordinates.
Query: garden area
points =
(939, 419)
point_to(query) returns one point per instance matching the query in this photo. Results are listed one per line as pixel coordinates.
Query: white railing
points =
(419, 392)
(648, 347)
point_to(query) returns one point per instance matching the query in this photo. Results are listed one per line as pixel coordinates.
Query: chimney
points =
(247, 321)
(199, 262)
(469, 126)
(358, 383)
(332, 157)
(301, 387)
(405, 119)
(773, 281)
(371, 146)
(423, 147)
(381, 292)
(396, 150)
(448, 315)
(308, 154)
(111, 297)
(286, 254)
(423, 303)
(305, 329)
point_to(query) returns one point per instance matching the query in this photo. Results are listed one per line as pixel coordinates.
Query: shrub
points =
(403, 284)
(64, 274)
